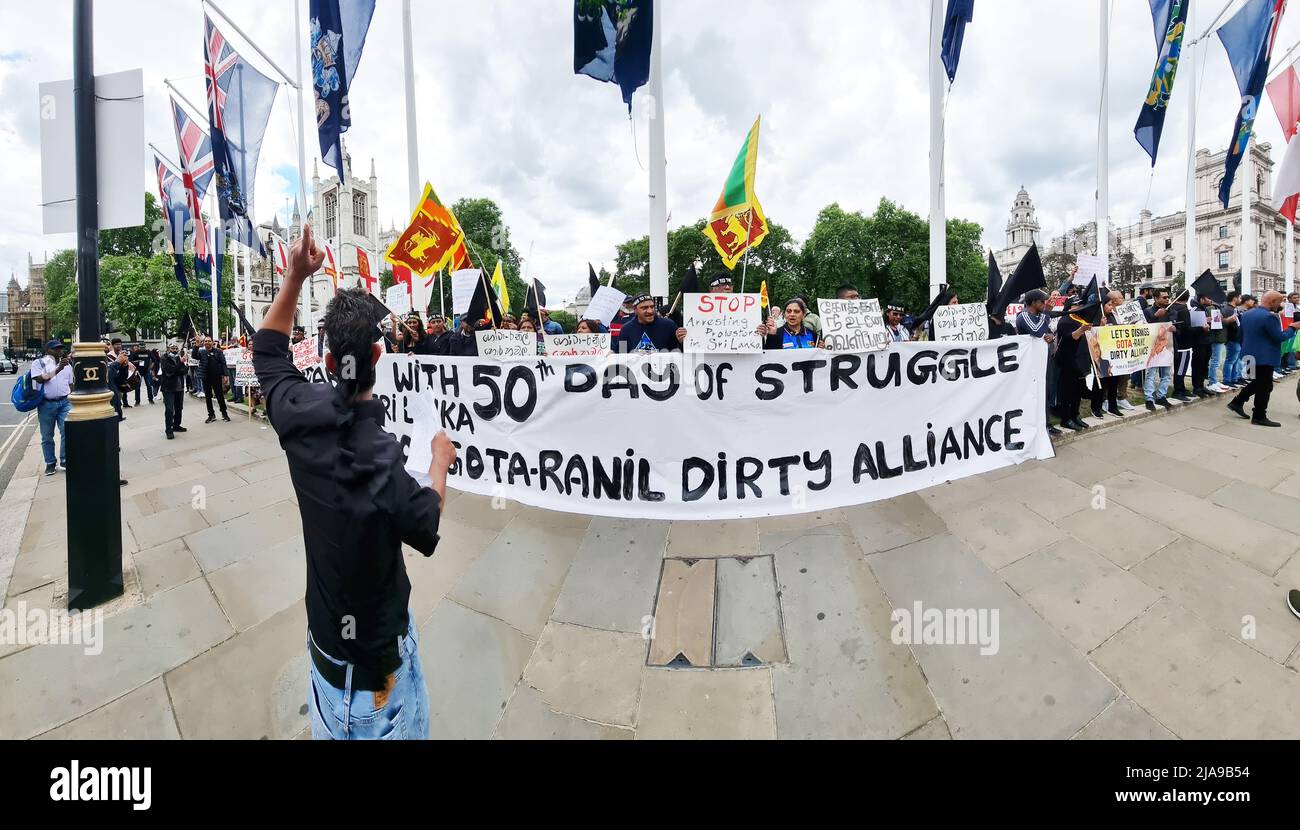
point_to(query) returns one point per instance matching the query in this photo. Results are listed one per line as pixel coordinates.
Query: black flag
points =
(484, 299)
(593, 281)
(995, 288)
(1207, 286)
(536, 300)
(246, 326)
(690, 285)
(1028, 276)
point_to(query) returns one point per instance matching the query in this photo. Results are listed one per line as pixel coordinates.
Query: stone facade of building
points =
(25, 322)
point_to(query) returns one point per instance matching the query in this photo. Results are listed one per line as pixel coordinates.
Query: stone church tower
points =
(1022, 232)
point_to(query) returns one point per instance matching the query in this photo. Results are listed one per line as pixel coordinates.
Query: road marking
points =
(13, 437)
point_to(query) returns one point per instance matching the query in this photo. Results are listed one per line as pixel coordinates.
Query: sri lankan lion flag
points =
(432, 240)
(502, 291)
(737, 222)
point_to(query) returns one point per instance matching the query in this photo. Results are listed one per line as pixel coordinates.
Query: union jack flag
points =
(174, 202)
(196, 173)
(219, 59)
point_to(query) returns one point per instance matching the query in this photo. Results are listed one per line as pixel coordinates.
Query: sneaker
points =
(1151, 406)
(210, 420)
(1126, 406)
(1115, 412)
(63, 466)
(225, 417)
(49, 469)
(1264, 422)
(1293, 602)
(1278, 376)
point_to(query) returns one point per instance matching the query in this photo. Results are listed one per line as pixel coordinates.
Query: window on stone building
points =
(331, 215)
(1223, 259)
(1223, 231)
(1169, 244)
(1169, 269)
(359, 214)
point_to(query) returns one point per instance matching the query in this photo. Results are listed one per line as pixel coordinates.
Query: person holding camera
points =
(53, 373)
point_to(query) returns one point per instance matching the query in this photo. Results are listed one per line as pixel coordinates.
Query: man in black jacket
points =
(140, 360)
(1202, 339)
(214, 373)
(464, 343)
(173, 370)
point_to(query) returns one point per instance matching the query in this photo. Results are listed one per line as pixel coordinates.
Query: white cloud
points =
(841, 85)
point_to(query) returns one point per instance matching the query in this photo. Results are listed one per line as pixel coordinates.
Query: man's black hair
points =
(351, 332)
(845, 289)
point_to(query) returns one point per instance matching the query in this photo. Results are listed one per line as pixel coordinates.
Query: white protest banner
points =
(621, 435)
(853, 325)
(1130, 314)
(1198, 319)
(722, 323)
(398, 299)
(604, 305)
(233, 356)
(500, 344)
(967, 323)
(577, 345)
(304, 354)
(1122, 350)
(463, 285)
(1090, 266)
(1012, 312)
(244, 374)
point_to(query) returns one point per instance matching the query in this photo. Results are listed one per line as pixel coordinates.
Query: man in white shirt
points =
(53, 373)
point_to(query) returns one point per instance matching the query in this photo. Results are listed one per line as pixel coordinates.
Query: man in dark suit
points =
(1262, 337)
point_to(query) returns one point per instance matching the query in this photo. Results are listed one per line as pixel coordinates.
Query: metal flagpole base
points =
(93, 505)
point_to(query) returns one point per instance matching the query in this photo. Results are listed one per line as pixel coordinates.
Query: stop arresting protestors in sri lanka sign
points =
(1123, 350)
(673, 436)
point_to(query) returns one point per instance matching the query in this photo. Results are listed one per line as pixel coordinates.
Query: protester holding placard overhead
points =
(359, 506)
(648, 332)
(794, 334)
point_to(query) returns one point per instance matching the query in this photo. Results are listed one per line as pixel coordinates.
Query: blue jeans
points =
(345, 715)
(1216, 360)
(49, 414)
(1232, 366)
(1149, 386)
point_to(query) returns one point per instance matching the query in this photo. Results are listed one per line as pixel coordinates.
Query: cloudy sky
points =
(841, 85)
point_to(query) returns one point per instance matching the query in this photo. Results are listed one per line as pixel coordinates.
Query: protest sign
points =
(1090, 266)
(1130, 314)
(233, 355)
(398, 299)
(1198, 319)
(722, 323)
(1012, 311)
(621, 435)
(853, 325)
(577, 345)
(968, 322)
(604, 305)
(463, 285)
(304, 354)
(1216, 320)
(1122, 350)
(506, 345)
(244, 374)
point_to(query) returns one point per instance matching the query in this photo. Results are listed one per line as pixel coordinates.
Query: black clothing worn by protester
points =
(1073, 359)
(358, 505)
(214, 373)
(1181, 318)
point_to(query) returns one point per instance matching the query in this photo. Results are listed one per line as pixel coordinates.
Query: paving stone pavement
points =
(1133, 587)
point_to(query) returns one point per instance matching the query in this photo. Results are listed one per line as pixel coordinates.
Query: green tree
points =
(61, 293)
(489, 241)
(968, 267)
(386, 279)
(836, 252)
(565, 319)
(145, 296)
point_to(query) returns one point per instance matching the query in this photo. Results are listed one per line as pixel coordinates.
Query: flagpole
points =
(749, 232)
(658, 163)
(412, 141)
(302, 142)
(1103, 144)
(938, 219)
(1247, 230)
(1191, 244)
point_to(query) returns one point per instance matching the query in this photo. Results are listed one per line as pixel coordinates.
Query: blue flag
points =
(217, 245)
(1248, 38)
(174, 202)
(1169, 18)
(960, 12)
(612, 41)
(239, 105)
(338, 34)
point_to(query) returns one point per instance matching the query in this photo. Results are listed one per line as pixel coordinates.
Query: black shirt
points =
(358, 506)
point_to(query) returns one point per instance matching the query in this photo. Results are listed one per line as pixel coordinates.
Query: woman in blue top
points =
(794, 334)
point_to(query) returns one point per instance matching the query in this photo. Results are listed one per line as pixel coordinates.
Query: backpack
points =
(26, 395)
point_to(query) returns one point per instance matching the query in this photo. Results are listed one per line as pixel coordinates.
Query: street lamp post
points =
(94, 509)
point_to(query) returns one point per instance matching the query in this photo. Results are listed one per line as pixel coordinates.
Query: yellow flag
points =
(762, 292)
(502, 291)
